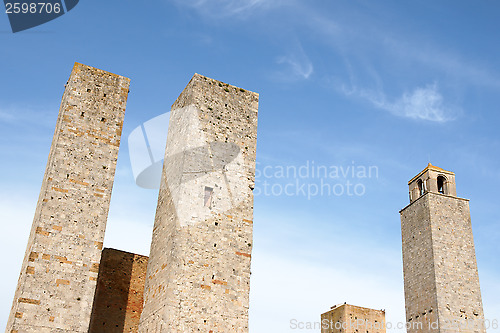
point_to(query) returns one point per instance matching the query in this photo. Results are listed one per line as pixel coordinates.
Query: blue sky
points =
(389, 84)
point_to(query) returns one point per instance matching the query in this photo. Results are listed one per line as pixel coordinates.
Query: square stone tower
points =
(56, 287)
(348, 318)
(198, 276)
(441, 281)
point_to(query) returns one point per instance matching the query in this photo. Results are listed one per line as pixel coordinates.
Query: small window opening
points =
(207, 202)
(421, 188)
(441, 184)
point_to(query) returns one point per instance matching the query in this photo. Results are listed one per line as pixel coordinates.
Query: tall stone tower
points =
(56, 287)
(198, 275)
(440, 272)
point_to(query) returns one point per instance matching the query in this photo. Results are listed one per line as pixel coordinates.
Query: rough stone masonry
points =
(198, 275)
(442, 292)
(346, 318)
(119, 294)
(56, 287)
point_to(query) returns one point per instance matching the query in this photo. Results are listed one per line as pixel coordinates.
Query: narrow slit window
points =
(207, 201)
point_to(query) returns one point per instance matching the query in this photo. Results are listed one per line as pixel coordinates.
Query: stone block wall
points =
(199, 265)
(119, 295)
(442, 291)
(348, 318)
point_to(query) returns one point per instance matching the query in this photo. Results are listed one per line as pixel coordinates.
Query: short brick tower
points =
(441, 281)
(347, 318)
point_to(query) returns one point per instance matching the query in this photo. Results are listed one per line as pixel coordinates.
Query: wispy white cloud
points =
(446, 61)
(358, 39)
(225, 8)
(367, 49)
(423, 103)
(299, 65)
(296, 64)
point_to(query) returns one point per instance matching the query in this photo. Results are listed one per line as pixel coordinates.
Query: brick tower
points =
(198, 275)
(441, 281)
(56, 287)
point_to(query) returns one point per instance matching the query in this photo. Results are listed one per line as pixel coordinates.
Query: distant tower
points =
(440, 272)
(198, 276)
(346, 318)
(56, 287)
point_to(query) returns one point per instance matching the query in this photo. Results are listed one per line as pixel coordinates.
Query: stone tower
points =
(56, 287)
(198, 275)
(440, 273)
(346, 318)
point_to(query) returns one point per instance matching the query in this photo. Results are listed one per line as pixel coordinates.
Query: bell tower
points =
(441, 282)
(432, 179)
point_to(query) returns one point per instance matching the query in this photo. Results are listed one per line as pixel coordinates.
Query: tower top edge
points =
(198, 76)
(79, 66)
(430, 167)
(338, 306)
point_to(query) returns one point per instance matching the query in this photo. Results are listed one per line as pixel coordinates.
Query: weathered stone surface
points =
(56, 287)
(441, 281)
(348, 318)
(119, 295)
(199, 265)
